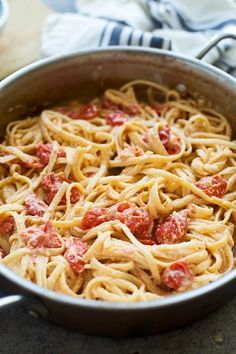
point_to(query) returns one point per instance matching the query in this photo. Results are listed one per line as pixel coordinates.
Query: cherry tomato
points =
(170, 142)
(75, 249)
(107, 104)
(43, 152)
(94, 217)
(164, 134)
(7, 226)
(147, 241)
(116, 118)
(213, 186)
(123, 206)
(34, 205)
(74, 195)
(173, 228)
(52, 183)
(41, 236)
(178, 275)
(137, 219)
(88, 111)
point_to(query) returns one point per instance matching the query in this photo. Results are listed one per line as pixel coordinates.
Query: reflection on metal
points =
(10, 300)
(215, 40)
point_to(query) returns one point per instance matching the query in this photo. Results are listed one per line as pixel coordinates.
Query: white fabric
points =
(183, 26)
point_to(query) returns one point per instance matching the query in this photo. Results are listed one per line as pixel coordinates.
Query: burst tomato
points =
(94, 217)
(52, 183)
(178, 275)
(7, 226)
(43, 152)
(173, 228)
(41, 236)
(213, 186)
(86, 112)
(116, 118)
(138, 220)
(75, 249)
(170, 142)
(34, 205)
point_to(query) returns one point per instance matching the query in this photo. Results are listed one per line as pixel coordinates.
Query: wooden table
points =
(20, 40)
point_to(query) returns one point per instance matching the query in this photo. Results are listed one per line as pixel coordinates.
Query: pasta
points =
(128, 198)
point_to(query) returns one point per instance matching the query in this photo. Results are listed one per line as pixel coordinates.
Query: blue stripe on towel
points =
(115, 35)
(102, 35)
(156, 42)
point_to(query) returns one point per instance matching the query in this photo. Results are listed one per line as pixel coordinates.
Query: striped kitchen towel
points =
(183, 26)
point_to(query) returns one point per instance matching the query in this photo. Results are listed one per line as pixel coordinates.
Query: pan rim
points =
(171, 300)
(106, 305)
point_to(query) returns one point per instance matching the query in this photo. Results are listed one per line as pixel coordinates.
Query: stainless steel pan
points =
(85, 75)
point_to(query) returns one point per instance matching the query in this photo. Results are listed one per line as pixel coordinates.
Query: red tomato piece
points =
(107, 104)
(213, 186)
(170, 142)
(43, 152)
(88, 111)
(132, 151)
(52, 183)
(94, 217)
(74, 195)
(138, 220)
(31, 163)
(178, 275)
(7, 226)
(173, 228)
(123, 206)
(116, 118)
(34, 205)
(164, 134)
(41, 236)
(147, 241)
(75, 249)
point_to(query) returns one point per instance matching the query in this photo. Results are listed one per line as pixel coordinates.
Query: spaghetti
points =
(128, 198)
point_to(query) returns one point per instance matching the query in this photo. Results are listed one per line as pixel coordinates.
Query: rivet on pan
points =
(34, 313)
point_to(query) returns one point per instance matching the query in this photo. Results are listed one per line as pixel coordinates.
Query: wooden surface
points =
(20, 39)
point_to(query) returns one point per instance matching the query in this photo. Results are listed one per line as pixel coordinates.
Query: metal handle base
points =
(213, 42)
(11, 300)
(32, 304)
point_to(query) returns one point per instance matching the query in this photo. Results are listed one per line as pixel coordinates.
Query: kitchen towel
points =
(183, 26)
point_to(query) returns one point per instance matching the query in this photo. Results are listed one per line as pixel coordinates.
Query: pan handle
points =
(34, 306)
(213, 42)
(6, 301)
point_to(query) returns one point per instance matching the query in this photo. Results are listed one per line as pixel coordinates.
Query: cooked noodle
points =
(99, 164)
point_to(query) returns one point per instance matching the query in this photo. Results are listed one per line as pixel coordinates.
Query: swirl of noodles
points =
(149, 149)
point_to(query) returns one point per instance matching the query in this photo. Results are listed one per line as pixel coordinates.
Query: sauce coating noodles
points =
(122, 199)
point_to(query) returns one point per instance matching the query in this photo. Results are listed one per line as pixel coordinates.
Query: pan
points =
(85, 75)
